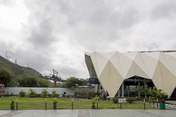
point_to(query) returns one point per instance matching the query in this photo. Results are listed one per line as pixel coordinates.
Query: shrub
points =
(140, 99)
(49, 95)
(12, 103)
(131, 100)
(71, 96)
(32, 93)
(153, 99)
(93, 101)
(63, 95)
(54, 94)
(7, 94)
(38, 95)
(101, 97)
(67, 95)
(55, 101)
(115, 100)
(44, 93)
(98, 94)
(22, 93)
(11, 94)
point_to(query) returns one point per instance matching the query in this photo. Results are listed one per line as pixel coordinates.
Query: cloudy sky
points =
(55, 34)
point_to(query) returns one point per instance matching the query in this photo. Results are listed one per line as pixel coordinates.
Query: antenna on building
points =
(15, 61)
(6, 55)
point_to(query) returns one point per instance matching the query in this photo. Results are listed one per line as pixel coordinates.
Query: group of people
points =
(106, 95)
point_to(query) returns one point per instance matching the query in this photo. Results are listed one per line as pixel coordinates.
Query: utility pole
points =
(15, 61)
(54, 76)
(6, 55)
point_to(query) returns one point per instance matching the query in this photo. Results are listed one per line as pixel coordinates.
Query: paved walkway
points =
(171, 102)
(89, 113)
(168, 106)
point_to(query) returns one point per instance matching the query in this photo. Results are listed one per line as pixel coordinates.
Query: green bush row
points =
(44, 93)
(129, 100)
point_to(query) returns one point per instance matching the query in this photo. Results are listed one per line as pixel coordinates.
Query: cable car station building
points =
(118, 72)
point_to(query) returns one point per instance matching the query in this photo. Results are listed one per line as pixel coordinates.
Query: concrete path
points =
(171, 102)
(168, 106)
(89, 113)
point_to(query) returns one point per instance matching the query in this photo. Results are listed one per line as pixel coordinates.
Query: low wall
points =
(16, 90)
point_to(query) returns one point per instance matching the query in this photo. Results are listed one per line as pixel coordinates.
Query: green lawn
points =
(65, 103)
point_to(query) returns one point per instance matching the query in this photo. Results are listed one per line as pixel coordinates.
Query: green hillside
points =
(18, 70)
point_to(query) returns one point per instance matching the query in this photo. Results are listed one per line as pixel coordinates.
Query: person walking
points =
(104, 95)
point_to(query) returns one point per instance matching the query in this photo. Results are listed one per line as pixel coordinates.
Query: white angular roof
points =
(113, 68)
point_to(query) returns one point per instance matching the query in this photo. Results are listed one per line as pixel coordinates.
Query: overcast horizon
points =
(46, 35)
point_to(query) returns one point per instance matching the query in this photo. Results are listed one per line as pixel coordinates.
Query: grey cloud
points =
(126, 19)
(7, 2)
(100, 24)
(129, 18)
(65, 70)
(43, 37)
(61, 31)
(100, 16)
(36, 60)
(164, 10)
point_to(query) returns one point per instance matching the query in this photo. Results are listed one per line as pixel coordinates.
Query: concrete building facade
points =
(117, 71)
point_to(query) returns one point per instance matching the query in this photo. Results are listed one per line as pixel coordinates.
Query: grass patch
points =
(65, 103)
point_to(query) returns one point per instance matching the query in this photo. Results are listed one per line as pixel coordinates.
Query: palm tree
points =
(157, 93)
(145, 90)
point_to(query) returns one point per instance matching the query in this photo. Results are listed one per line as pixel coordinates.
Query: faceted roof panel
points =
(113, 68)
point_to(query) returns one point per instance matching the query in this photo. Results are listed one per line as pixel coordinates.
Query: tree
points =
(54, 93)
(12, 83)
(22, 93)
(157, 93)
(28, 81)
(59, 85)
(44, 93)
(5, 76)
(143, 90)
(43, 83)
(72, 82)
(32, 93)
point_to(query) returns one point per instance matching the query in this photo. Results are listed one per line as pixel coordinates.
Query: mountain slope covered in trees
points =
(18, 70)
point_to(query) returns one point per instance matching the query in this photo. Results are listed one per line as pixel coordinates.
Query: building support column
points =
(119, 92)
(139, 86)
(175, 93)
(128, 91)
(145, 82)
(123, 89)
(145, 85)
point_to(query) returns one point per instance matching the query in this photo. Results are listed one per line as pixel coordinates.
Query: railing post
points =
(16, 103)
(157, 103)
(72, 103)
(45, 103)
(120, 103)
(144, 104)
(97, 103)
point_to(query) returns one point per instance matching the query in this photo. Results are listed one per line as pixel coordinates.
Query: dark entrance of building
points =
(129, 85)
(173, 95)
